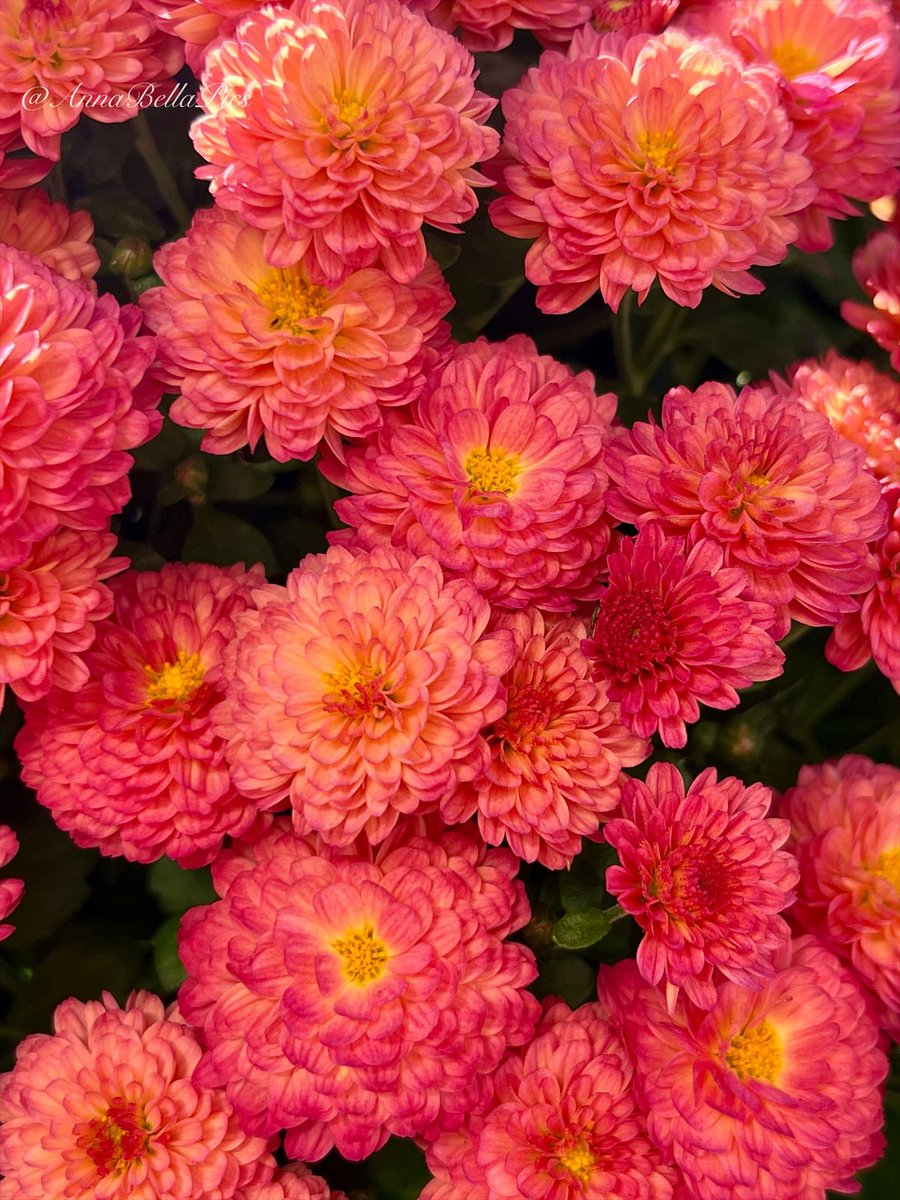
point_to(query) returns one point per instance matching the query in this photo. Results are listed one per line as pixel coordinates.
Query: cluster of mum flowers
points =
(523, 596)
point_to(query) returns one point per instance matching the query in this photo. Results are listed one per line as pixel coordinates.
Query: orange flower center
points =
(690, 884)
(292, 300)
(579, 1161)
(115, 1141)
(888, 867)
(355, 691)
(658, 148)
(633, 630)
(531, 709)
(793, 60)
(755, 1053)
(492, 470)
(349, 107)
(175, 681)
(365, 956)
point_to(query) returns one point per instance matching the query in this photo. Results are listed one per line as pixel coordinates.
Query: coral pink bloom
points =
(633, 16)
(845, 826)
(199, 23)
(656, 157)
(491, 25)
(497, 472)
(786, 497)
(838, 66)
(10, 889)
(18, 170)
(702, 874)
(556, 753)
(131, 763)
(62, 58)
(876, 266)
(674, 628)
(61, 239)
(344, 998)
(295, 1182)
(49, 607)
(261, 351)
(773, 1094)
(563, 1124)
(360, 690)
(72, 401)
(357, 122)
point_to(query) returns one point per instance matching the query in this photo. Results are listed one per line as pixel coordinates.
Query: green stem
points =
(146, 146)
(616, 913)
(661, 340)
(839, 694)
(623, 342)
(9, 980)
(794, 635)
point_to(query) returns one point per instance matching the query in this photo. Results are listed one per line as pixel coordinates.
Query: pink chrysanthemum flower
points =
(344, 998)
(633, 16)
(838, 66)
(702, 874)
(563, 1124)
(74, 400)
(106, 1107)
(492, 24)
(131, 763)
(497, 471)
(358, 122)
(876, 266)
(18, 170)
(10, 889)
(261, 351)
(845, 827)
(199, 23)
(786, 497)
(656, 157)
(30, 221)
(360, 690)
(673, 629)
(62, 58)
(772, 1094)
(294, 1182)
(49, 608)
(556, 753)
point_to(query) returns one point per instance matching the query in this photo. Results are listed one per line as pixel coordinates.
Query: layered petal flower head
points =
(130, 762)
(62, 58)
(73, 400)
(674, 628)
(702, 874)
(633, 16)
(876, 266)
(359, 691)
(49, 608)
(845, 830)
(30, 221)
(556, 753)
(260, 351)
(492, 24)
(838, 66)
(18, 170)
(199, 23)
(785, 497)
(656, 157)
(10, 889)
(774, 1093)
(344, 997)
(563, 1124)
(105, 1106)
(358, 121)
(497, 471)
(294, 1182)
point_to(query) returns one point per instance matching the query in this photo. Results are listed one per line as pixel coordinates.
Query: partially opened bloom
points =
(30, 221)
(660, 157)
(492, 24)
(773, 1094)
(876, 266)
(357, 122)
(130, 762)
(10, 889)
(702, 874)
(199, 23)
(260, 351)
(497, 471)
(557, 751)
(845, 830)
(674, 628)
(344, 998)
(785, 497)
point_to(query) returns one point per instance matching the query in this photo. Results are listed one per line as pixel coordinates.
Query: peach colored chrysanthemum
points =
(837, 63)
(492, 24)
(130, 762)
(633, 16)
(260, 351)
(62, 58)
(49, 608)
(786, 497)
(18, 170)
(30, 221)
(73, 399)
(344, 997)
(772, 1094)
(497, 471)
(556, 752)
(10, 889)
(563, 1124)
(357, 122)
(657, 157)
(674, 628)
(105, 1107)
(294, 1182)
(702, 874)
(876, 266)
(845, 830)
(200, 23)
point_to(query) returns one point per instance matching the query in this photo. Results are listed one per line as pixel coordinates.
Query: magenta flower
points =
(876, 266)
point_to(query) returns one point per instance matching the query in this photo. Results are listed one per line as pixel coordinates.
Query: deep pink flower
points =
(497, 471)
(10, 889)
(491, 24)
(357, 122)
(674, 628)
(199, 23)
(633, 16)
(294, 1182)
(60, 238)
(131, 763)
(786, 497)
(876, 266)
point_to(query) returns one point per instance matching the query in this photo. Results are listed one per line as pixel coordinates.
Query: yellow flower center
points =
(756, 1053)
(292, 300)
(355, 691)
(757, 479)
(176, 680)
(793, 60)
(888, 867)
(349, 107)
(579, 1160)
(492, 470)
(658, 149)
(364, 955)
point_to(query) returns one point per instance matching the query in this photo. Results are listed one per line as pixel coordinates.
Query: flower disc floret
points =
(61, 239)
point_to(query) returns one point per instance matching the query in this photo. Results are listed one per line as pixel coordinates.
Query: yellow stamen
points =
(175, 680)
(291, 299)
(579, 1160)
(658, 148)
(492, 470)
(793, 60)
(364, 955)
(756, 1053)
(888, 867)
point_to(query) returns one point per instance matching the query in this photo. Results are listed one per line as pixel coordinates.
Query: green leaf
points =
(576, 930)
(235, 480)
(119, 214)
(222, 539)
(176, 890)
(398, 1170)
(169, 967)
